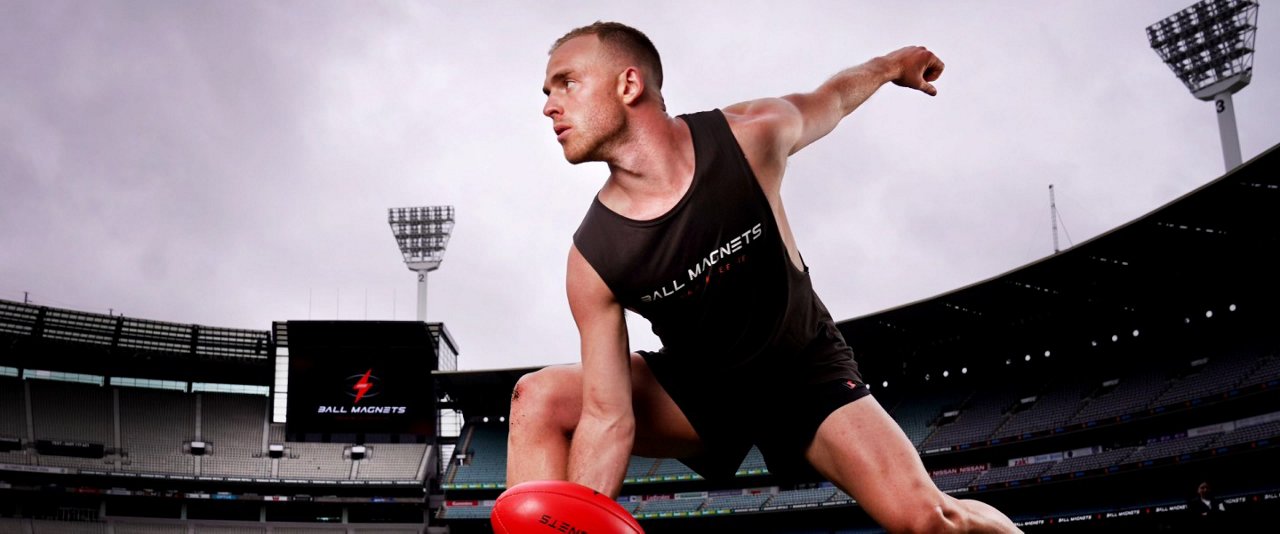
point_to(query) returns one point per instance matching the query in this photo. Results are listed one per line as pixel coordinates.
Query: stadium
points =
(1094, 390)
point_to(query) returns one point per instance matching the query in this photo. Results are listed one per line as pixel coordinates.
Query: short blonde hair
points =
(625, 40)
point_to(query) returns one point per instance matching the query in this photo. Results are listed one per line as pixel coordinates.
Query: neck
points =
(652, 161)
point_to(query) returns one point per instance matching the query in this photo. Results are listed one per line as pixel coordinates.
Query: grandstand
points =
(124, 411)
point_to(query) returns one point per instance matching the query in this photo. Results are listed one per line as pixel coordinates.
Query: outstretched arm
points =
(787, 124)
(601, 445)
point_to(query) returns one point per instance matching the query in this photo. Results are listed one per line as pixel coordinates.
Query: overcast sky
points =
(230, 163)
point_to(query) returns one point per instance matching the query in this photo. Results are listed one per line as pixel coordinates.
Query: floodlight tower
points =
(423, 234)
(1209, 46)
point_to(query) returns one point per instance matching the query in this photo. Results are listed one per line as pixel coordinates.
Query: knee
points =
(546, 397)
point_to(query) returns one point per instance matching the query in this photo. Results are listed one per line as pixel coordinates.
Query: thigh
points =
(662, 430)
(864, 452)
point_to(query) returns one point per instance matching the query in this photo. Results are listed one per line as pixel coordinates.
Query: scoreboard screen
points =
(359, 377)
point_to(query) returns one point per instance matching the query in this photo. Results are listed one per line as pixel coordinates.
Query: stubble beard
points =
(606, 131)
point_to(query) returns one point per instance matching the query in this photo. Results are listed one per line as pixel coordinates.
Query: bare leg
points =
(864, 452)
(545, 408)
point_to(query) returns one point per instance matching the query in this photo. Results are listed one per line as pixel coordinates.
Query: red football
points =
(551, 506)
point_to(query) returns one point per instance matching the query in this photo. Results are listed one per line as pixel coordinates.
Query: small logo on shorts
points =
(849, 384)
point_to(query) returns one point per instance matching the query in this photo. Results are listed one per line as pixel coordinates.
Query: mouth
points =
(560, 132)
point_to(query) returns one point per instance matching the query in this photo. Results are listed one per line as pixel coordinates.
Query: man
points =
(690, 232)
(1205, 504)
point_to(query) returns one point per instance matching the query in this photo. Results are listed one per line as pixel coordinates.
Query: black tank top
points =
(713, 275)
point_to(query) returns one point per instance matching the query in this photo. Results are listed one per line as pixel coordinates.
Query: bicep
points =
(606, 365)
(782, 126)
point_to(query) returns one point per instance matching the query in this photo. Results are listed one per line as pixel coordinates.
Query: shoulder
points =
(764, 119)
(766, 130)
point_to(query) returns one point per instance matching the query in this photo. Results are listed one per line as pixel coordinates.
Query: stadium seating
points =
(738, 503)
(1218, 375)
(315, 461)
(1247, 434)
(67, 411)
(916, 416)
(15, 458)
(466, 512)
(486, 457)
(1090, 462)
(1051, 409)
(127, 528)
(954, 481)
(753, 464)
(38, 526)
(1171, 448)
(1001, 475)
(1268, 370)
(639, 469)
(233, 425)
(154, 424)
(13, 409)
(1135, 392)
(669, 507)
(804, 496)
(391, 461)
(978, 419)
(672, 469)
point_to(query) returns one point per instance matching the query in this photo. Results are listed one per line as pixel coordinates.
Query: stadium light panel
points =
(946, 374)
(1231, 307)
(1208, 44)
(884, 384)
(422, 234)
(1209, 47)
(1046, 354)
(1208, 314)
(1028, 358)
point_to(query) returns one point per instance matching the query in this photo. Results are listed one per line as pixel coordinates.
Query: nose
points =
(552, 108)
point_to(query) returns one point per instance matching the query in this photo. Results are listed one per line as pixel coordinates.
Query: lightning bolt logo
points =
(362, 386)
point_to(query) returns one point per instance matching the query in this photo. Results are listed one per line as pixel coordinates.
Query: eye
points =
(570, 84)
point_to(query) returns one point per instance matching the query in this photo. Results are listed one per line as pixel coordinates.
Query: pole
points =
(1053, 218)
(1227, 128)
(422, 296)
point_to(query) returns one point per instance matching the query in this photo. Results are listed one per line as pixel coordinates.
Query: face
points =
(1203, 490)
(586, 112)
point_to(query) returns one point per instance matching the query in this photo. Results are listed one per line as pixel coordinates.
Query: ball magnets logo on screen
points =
(363, 386)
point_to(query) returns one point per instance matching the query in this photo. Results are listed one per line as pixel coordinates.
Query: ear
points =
(630, 85)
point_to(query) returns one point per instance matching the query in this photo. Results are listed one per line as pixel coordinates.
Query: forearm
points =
(853, 86)
(817, 113)
(600, 450)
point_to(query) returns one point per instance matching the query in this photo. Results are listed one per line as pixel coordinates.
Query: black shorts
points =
(778, 411)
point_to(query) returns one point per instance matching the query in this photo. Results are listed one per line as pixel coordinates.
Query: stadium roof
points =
(1207, 250)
